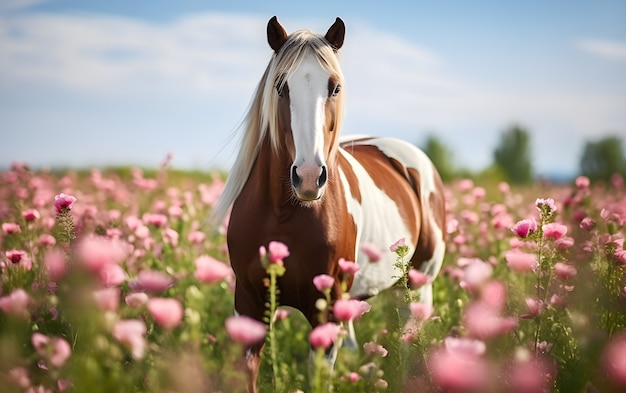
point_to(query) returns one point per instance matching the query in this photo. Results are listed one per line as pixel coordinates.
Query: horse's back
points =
(406, 175)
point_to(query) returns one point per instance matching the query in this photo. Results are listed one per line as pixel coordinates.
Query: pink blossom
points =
(348, 310)
(504, 187)
(564, 243)
(533, 375)
(418, 279)
(548, 203)
(494, 294)
(620, 256)
(15, 303)
(564, 271)
(582, 182)
(465, 185)
(136, 299)
(152, 281)
(170, 236)
(47, 240)
(323, 336)
(399, 243)
(421, 311)
(95, 252)
(521, 262)
(167, 313)
(354, 377)
(196, 237)
(130, 333)
(11, 228)
(20, 258)
(278, 251)
(475, 274)
(372, 251)
(375, 349)
(614, 361)
(464, 346)
(554, 230)
(112, 275)
(458, 371)
(155, 219)
(484, 322)
(524, 227)
(63, 202)
(587, 223)
(107, 299)
(348, 267)
(245, 330)
(535, 308)
(323, 282)
(19, 377)
(55, 350)
(209, 270)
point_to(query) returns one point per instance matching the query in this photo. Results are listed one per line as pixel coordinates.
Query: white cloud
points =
(610, 50)
(12, 5)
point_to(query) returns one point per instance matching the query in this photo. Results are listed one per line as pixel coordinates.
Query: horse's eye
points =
(337, 90)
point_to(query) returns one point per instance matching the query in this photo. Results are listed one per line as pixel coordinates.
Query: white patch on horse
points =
(380, 223)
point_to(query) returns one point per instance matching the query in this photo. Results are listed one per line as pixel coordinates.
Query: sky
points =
(102, 83)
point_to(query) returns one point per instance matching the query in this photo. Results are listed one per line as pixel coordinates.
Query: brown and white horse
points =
(296, 182)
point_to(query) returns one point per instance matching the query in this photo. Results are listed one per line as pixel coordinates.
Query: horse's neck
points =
(271, 172)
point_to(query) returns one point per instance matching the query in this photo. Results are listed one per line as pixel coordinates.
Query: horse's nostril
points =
(323, 177)
(295, 179)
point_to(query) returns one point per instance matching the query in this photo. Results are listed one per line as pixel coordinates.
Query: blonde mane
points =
(262, 116)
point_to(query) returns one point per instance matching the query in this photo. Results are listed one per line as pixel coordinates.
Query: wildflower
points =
(278, 251)
(155, 219)
(47, 240)
(614, 361)
(475, 274)
(55, 350)
(524, 227)
(418, 279)
(196, 237)
(375, 349)
(11, 228)
(323, 282)
(323, 336)
(494, 294)
(152, 281)
(354, 377)
(167, 313)
(582, 182)
(348, 267)
(535, 308)
(245, 330)
(112, 275)
(348, 310)
(170, 236)
(373, 252)
(209, 270)
(458, 370)
(530, 374)
(394, 247)
(465, 346)
(421, 311)
(587, 223)
(564, 243)
(484, 322)
(95, 252)
(63, 202)
(136, 299)
(130, 333)
(107, 299)
(564, 271)
(620, 256)
(554, 230)
(546, 205)
(521, 262)
(15, 303)
(20, 258)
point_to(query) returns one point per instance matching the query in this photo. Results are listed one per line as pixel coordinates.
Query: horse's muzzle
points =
(308, 182)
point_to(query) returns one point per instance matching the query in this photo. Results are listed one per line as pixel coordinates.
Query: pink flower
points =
(521, 262)
(155, 219)
(564, 271)
(136, 299)
(47, 240)
(95, 252)
(15, 303)
(421, 311)
(348, 267)
(464, 346)
(534, 375)
(130, 333)
(587, 223)
(564, 243)
(170, 236)
(152, 281)
(524, 227)
(373, 252)
(63, 202)
(196, 237)
(620, 256)
(475, 274)
(554, 230)
(31, 215)
(399, 243)
(323, 336)
(245, 330)
(494, 294)
(323, 282)
(54, 263)
(20, 258)
(548, 203)
(418, 279)
(582, 182)
(614, 361)
(535, 308)
(458, 371)
(167, 313)
(354, 377)
(375, 349)
(108, 299)
(209, 270)
(55, 350)
(348, 310)
(278, 251)
(11, 228)
(484, 322)
(112, 275)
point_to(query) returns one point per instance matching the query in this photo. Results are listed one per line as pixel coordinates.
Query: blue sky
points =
(125, 82)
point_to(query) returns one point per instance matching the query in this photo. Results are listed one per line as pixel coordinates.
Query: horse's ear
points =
(336, 34)
(276, 34)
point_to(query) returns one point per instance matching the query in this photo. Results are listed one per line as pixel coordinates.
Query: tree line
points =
(513, 160)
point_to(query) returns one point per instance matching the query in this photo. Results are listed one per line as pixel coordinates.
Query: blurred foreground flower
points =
(245, 330)
(167, 313)
(56, 350)
(130, 333)
(323, 336)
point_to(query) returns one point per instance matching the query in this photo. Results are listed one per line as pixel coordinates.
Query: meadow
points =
(110, 281)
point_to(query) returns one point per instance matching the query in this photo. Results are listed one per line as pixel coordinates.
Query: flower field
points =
(111, 281)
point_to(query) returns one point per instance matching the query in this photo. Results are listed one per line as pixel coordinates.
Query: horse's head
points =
(307, 92)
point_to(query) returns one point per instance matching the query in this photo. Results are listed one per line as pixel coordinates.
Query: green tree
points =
(513, 155)
(441, 156)
(603, 158)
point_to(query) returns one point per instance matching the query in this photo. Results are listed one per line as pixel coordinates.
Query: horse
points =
(295, 180)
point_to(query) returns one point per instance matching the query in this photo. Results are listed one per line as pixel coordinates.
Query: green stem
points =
(272, 334)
